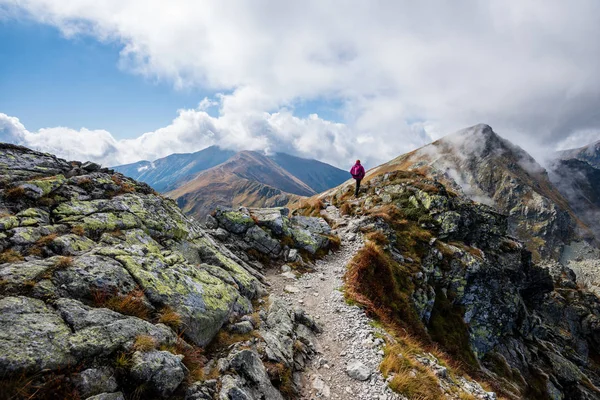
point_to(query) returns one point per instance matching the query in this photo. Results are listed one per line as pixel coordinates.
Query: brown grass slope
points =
(249, 179)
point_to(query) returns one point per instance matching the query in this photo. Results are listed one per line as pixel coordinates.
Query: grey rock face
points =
(241, 327)
(162, 370)
(248, 365)
(270, 218)
(95, 381)
(32, 336)
(261, 241)
(264, 230)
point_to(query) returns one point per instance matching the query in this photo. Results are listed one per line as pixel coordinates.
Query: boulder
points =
(357, 370)
(162, 370)
(270, 218)
(93, 381)
(234, 221)
(261, 241)
(33, 337)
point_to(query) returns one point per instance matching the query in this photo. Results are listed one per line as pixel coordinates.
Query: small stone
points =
(357, 370)
(289, 275)
(291, 289)
(241, 327)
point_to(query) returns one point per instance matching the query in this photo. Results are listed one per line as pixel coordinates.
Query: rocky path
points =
(349, 349)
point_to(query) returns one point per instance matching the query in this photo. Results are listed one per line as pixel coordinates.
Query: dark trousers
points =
(357, 187)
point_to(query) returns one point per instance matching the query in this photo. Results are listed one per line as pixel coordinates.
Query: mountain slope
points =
(168, 173)
(172, 171)
(478, 163)
(248, 178)
(489, 169)
(444, 270)
(589, 153)
(579, 182)
(316, 174)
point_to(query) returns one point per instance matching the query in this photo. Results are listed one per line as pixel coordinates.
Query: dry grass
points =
(144, 343)
(78, 230)
(378, 238)
(334, 242)
(124, 187)
(171, 318)
(131, 304)
(63, 262)
(224, 339)
(48, 386)
(281, 377)
(46, 240)
(346, 209)
(193, 359)
(383, 286)
(10, 256)
(311, 208)
(411, 379)
(123, 361)
(117, 233)
(14, 193)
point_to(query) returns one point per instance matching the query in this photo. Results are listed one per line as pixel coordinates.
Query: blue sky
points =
(116, 81)
(48, 80)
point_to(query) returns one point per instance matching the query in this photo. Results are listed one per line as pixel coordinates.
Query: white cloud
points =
(193, 130)
(528, 68)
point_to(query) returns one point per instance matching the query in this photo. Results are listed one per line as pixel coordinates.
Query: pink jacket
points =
(357, 171)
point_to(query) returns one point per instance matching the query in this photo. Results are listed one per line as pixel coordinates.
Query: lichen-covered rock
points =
(101, 332)
(262, 241)
(33, 337)
(272, 232)
(278, 332)
(162, 370)
(95, 259)
(270, 218)
(234, 221)
(93, 381)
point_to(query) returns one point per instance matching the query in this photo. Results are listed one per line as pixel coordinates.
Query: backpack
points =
(355, 171)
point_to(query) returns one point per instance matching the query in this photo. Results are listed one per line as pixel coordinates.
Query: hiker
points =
(358, 173)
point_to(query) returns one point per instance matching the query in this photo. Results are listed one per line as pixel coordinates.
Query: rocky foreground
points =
(107, 291)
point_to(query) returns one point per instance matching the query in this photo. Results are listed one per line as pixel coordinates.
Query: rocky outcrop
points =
(474, 290)
(102, 281)
(477, 163)
(271, 233)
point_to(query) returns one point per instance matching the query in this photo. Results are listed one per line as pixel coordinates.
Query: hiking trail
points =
(350, 344)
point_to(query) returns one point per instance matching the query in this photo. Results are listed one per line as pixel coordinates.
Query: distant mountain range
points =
(216, 177)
